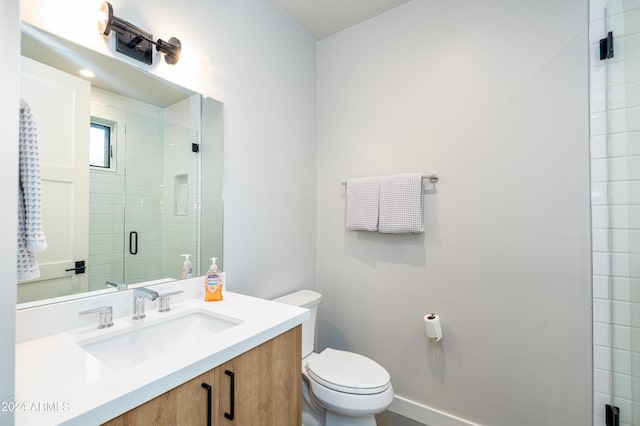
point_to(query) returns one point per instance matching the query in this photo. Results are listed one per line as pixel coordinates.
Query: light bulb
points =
(105, 16)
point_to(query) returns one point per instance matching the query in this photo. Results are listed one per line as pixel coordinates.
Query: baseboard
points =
(425, 414)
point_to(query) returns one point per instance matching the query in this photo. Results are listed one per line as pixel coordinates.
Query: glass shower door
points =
(618, 238)
(161, 220)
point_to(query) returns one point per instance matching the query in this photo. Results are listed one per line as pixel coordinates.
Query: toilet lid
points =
(348, 372)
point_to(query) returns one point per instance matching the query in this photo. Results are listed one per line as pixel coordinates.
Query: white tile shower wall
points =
(106, 209)
(181, 232)
(108, 238)
(615, 153)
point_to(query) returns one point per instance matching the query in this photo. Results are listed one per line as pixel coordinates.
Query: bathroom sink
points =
(126, 348)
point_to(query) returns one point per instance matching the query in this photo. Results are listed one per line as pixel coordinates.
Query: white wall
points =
(9, 107)
(493, 96)
(262, 66)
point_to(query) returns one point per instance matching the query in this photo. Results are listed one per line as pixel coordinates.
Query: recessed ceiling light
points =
(87, 73)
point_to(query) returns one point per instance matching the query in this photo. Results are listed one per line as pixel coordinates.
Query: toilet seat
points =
(348, 372)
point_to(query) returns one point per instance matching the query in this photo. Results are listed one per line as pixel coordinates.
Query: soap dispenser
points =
(187, 271)
(213, 283)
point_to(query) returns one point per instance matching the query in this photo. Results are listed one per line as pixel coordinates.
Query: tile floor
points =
(389, 418)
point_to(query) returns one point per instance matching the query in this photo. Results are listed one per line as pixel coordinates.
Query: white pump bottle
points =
(187, 271)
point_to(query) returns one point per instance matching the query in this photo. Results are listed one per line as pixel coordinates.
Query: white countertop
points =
(58, 382)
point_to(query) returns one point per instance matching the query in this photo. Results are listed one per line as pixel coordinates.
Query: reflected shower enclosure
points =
(143, 209)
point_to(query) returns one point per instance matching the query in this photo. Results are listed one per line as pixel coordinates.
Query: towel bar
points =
(433, 178)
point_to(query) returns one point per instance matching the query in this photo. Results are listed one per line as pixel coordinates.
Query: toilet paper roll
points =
(432, 326)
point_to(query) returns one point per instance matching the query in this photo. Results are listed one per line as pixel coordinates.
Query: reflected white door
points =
(60, 104)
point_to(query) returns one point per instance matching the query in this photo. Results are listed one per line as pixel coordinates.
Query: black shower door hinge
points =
(613, 416)
(606, 47)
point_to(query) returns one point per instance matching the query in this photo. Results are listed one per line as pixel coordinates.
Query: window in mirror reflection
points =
(100, 145)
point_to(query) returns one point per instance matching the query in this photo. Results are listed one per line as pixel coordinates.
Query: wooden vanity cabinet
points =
(183, 405)
(259, 387)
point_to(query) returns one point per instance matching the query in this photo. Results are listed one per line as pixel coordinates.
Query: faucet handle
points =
(120, 285)
(164, 300)
(106, 315)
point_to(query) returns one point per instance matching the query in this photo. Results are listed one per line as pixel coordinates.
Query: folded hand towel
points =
(362, 204)
(401, 202)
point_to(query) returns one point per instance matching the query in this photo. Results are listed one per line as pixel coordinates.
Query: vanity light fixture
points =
(134, 41)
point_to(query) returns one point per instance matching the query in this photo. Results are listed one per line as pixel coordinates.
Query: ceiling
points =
(322, 18)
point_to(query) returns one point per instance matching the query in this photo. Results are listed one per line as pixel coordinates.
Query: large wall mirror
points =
(131, 171)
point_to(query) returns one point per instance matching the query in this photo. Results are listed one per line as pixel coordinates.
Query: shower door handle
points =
(133, 242)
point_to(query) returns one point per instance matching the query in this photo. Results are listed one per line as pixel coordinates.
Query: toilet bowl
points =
(340, 388)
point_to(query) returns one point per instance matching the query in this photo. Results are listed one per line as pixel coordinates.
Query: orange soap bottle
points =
(213, 283)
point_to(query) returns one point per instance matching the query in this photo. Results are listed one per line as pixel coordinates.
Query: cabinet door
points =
(185, 405)
(267, 384)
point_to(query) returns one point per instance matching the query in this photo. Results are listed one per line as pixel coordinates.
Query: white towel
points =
(30, 235)
(401, 203)
(362, 204)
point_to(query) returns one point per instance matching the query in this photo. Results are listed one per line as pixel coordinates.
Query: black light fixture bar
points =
(134, 41)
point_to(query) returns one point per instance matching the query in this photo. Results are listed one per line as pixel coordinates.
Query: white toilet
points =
(339, 388)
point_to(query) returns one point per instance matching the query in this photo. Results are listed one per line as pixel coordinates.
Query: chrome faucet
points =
(139, 294)
(117, 284)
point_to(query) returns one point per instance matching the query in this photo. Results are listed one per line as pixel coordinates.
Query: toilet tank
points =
(310, 300)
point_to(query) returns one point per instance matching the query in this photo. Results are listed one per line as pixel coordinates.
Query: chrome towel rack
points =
(433, 178)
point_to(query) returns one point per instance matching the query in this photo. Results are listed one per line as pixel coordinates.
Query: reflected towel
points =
(401, 201)
(362, 204)
(30, 234)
